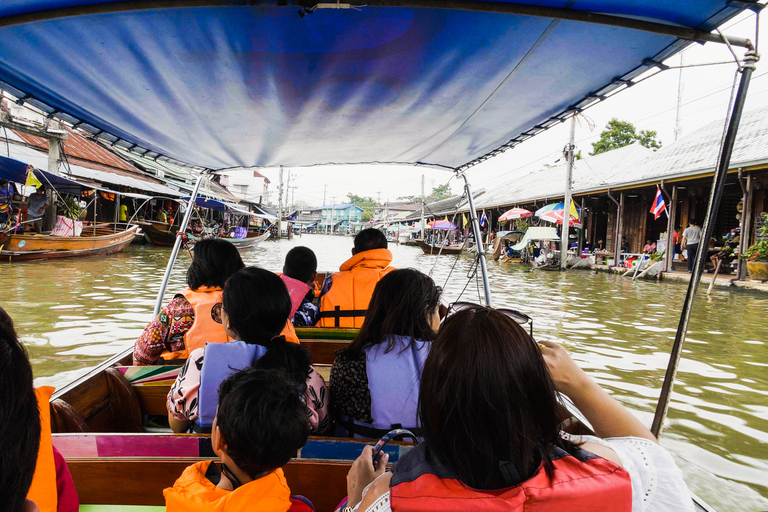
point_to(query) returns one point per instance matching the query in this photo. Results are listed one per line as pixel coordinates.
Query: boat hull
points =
(36, 247)
(160, 234)
(437, 249)
(250, 241)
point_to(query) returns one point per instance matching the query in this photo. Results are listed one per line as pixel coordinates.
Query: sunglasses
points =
(515, 316)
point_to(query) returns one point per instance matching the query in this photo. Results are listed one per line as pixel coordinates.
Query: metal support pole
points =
(567, 199)
(746, 222)
(716, 194)
(619, 218)
(671, 213)
(176, 246)
(478, 241)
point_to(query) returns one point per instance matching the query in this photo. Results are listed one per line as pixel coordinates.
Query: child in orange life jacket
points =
(299, 272)
(256, 409)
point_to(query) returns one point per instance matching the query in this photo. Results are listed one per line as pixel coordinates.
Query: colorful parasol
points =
(442, 224)
(556, 216)
(514, 214)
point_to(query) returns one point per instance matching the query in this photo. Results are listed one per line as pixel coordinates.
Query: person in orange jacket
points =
(256, 407)
(33, 474)
(345, 295)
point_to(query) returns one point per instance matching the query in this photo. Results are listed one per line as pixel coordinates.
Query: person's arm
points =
(362, 473)
(608, 417)
(156, 337)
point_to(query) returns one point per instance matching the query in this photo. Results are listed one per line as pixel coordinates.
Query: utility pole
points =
(333, 212)
(280, 206)
(325, 189)
(422, 207)
(567, 200)
(678, 128)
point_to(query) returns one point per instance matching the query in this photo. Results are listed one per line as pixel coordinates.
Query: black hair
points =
(262, 418)
(401, 305)
(485, 360)
(369, 239)
(692, 222)
(293, 359)
(214, 261)
(300, 263)
(19, 418)
(257, 304)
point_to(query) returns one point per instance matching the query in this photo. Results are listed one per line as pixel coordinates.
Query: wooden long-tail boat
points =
(251, 239)
(439, 249)
(98, 240)
(160, 233)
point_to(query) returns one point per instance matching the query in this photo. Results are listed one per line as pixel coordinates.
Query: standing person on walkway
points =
(691, 241)
(345, 295)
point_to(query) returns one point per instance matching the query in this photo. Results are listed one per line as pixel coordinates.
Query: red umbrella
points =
(515, 213)
(556, 216)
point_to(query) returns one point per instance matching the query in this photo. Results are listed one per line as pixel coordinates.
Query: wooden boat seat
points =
(134, 469)
(107, 404)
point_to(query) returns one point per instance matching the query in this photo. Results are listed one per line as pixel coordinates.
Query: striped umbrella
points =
(549, 208)
(556, 217)
(515, 213)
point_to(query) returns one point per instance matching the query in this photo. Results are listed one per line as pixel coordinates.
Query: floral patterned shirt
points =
(166, 332)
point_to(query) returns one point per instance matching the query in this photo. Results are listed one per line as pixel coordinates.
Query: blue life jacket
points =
(393, 380)
(219, 362)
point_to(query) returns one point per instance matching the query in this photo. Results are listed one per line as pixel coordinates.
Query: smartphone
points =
(392, 434)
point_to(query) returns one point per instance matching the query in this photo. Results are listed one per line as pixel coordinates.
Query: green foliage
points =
(618, 134)
(72, 207)
(439, 192)
(366, 203)
(522, 225)
(657, 256)
(759, 250)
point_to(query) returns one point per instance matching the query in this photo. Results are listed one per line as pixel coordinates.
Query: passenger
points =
(375, 380)
(345, 295)
(192, 317)
(489, 414)
(256, 307)
(33, 474)
(299, 272)
(260, 425)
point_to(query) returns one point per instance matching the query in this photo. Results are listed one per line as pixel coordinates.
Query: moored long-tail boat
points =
(439, 249)
(98, 240)
(160, 233)
(251, 239)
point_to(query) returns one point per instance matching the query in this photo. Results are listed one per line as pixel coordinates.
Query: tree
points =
(366, 203)
(439, 192)
(622, 133)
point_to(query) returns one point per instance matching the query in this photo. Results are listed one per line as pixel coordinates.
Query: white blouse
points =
(657, 482)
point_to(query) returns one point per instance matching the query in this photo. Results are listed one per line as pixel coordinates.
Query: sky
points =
(649, 105)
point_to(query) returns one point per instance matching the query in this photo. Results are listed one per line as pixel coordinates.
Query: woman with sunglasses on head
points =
(374, 382)
(502, 448)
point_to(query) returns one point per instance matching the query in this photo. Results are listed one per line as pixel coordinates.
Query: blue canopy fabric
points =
(236, 85)
(16, 171)
(205, 202)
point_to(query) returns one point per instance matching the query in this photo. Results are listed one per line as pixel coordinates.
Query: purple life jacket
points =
(219, 362)
(393, 380)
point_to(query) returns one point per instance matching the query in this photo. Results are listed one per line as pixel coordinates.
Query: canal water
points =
(72, 314)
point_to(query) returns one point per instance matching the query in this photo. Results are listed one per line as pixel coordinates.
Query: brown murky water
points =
(73, 314)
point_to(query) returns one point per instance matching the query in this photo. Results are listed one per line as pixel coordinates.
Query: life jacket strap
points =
(339, 313)
(356, 428)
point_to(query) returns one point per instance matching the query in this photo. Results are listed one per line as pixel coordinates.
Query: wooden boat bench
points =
(133, 469)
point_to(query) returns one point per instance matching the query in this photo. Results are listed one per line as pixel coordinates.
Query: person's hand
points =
(363, 473)
(565, 373)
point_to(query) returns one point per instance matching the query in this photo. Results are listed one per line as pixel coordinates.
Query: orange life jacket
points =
(43, 490)
(290, 333)
(581, 481)
(193, 492)
(207, 327)
(344, 305)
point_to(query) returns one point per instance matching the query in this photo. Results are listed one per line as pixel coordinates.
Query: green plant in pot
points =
(756, 255)
(71, 207)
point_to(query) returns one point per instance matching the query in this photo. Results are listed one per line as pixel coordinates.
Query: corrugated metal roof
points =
(691, 156)
(78, 146)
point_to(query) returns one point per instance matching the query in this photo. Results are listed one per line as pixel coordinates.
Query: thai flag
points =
(658, 205)
(483, 219)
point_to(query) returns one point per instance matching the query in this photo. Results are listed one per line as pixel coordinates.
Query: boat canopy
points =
(537, 234)
(222, 83)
